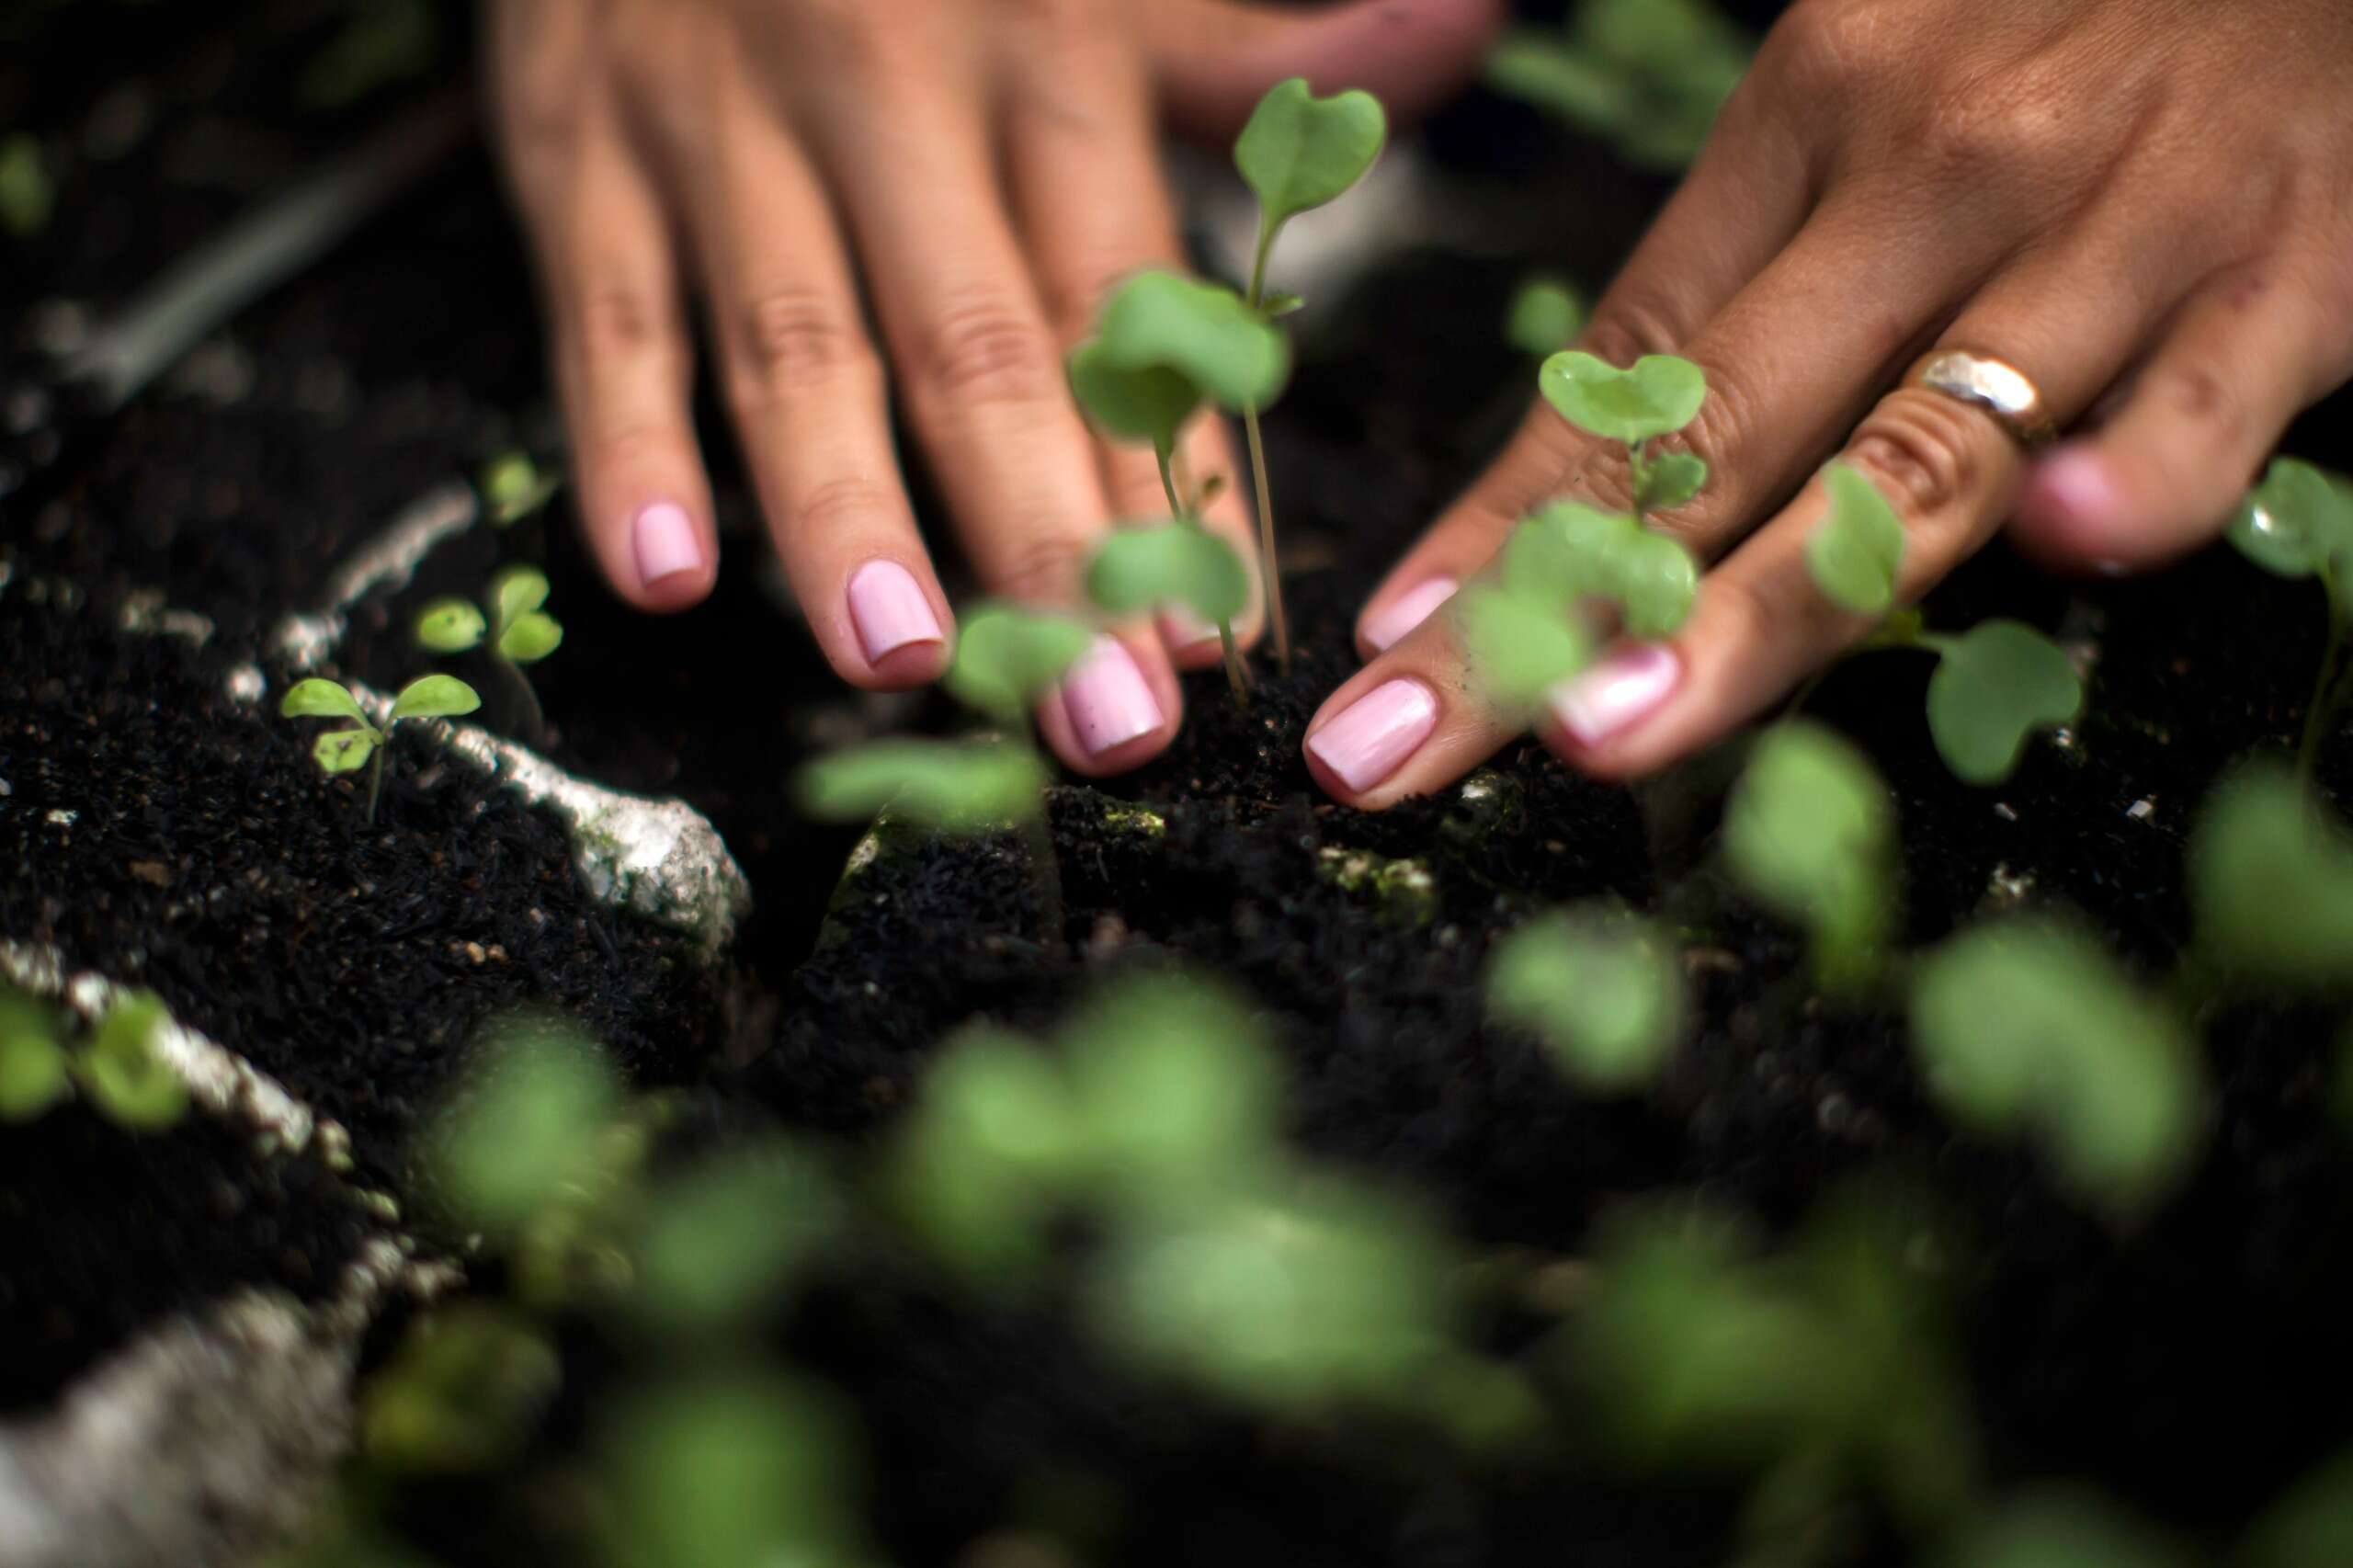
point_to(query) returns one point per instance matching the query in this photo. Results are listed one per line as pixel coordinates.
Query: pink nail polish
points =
(1409, 610)
(1616, 694)
(666, 542)
(1106, 697)
(889, 610)
(1371, 737)
(2075, 486)
(1183, 629)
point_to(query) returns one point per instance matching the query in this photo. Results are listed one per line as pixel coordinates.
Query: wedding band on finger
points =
(1998, 387)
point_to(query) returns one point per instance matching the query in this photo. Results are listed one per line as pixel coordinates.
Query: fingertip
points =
(2071, 511)
(1602, 721)
(897, 631)
(1389, 618)
(1362, 738)
(1117, 709)
(674, 558)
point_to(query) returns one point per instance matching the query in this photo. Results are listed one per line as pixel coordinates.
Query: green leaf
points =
(1996, 685)
(317, 699)
(1545, 313)
(1669, 480)
(122, 1072)
(2061, 1528)
(1570, 552)
(1519, 646)
(1810, 831)
(435, 696)
(724, 1239)
(1600, 988)
(32, 1064)
(1299, 152)
(994, 1147)
(27, 195)
(2271, 883)
(1856, 553)
(464, 1391)
(450, 626)
(532, 637)
(1147, 404)
(512, 488)
(526, 1130)
(951, 786)
(2296, 522)
(1536, 67)
(516, 592)
(1202, 332)
(343, 751)
(2029, 1028)
(1658, 395)
(1007, 658)
(1136, 569)
(2310, 1526)
(731, 1469)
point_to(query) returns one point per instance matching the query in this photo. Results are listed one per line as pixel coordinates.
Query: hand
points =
(2149, 196)
(985, 169)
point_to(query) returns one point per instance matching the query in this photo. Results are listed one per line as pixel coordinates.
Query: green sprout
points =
(721, 1240)
(512, 488)
(343, 751)
(1810, 830)
(528, 1131)
(2026, 1027)
(119, 1070)
(34, 1074)
(1298, 152)
(1162, 345)
(518, 629)
(464, 1391)
(27, 196)
(2271, 886)
(1599, 987)
(1648, 74)
(1545, 313)
(2299, 523)
(1993, 686)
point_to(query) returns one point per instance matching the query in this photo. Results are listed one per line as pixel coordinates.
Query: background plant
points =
(119, 1069)
(1650, 76)
(2299, 523)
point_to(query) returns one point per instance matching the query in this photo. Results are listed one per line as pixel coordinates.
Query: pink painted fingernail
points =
(1106, 697)
(1371, 737)
(1409, 610)
(665, 541)
(1183, 629)
(2076, 487)
(889, 610)
(1616, 694)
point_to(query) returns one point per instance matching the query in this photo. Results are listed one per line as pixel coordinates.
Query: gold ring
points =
(1998, 387)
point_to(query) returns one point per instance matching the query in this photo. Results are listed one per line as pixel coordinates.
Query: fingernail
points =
(889, 610)
(1409, 610)
(2075, 483)
(1106, 697)
(1371, 737)
(1183, 629)
(1617, 693)
(665, 541)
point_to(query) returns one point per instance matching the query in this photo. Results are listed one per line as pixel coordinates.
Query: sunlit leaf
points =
(1996, 685)
(1657, 395)
(343, 751)
(435, 696)
(952, 786)
(2297, 522)
(1810, 830)
(512, 488)
(1007, 657)
(517, 591)
(1174, 562)
(1545, 313)
(317, 699)
(531, 637)
(1856, 553)
(123, 1073)
(1299, 152)
(464, 1391)
(450, 626)
(1599, 987)
(2271, 883)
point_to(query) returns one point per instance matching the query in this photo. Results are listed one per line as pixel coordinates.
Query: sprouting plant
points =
(27, 196)
(464, 1391)
(512, 488)
(1810, 831)
(342, 751)
(2029, 1027)
(33, 1069)
(1598, 986)
(122, 1072)
(2299, 523)
(1298, 152)
(1649, 74)
(1993, 686)
(2270, 886)
(518, 629)
(1546, 313)
(1162, 345)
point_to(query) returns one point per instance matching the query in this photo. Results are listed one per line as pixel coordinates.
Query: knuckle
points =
(988, 351)
(1974, 134)
(1830, 45)
(793, 337)
(1077, 295)
(614, 320)
(1929, 453)
(1632, 322)
(2201, 395)
(843, 501)
(1042, 569)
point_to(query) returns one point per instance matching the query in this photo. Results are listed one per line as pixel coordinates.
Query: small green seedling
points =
(512, 488)
(123, 1074)
(722, 1240)
(1995, 684)
(2029, 1027)
(343, 751)
(1648, 74)
(1810, 830)
(526, 1132)
(1546, 313)
(464, 1391)
(1180, 562)
(27, 196)
(518, 629)
(1599, 987)
(2299, 523)
(2271, 886)
(34, 1073)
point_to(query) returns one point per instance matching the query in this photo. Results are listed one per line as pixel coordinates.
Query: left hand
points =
(2149, 196)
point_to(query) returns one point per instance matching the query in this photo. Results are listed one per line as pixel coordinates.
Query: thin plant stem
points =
(538, 720)
(2328, 689)
(1272, 580)
(1045, 876)
(376, 773)
(1235, 675)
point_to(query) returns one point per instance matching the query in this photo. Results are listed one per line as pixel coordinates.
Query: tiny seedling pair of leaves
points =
(955, 787)
(1545, 313)
(1655, 396)
(2271, 885)
(122, 1071)
(512, 488)
(1648, 74)
(1810, 831)
(464, 1391)
(520, 630)
(1298, 152)
(341, 751)
(1141, 567)
(1600, 987)
(1573, 554)
(2027, 1027)
(1162, 344)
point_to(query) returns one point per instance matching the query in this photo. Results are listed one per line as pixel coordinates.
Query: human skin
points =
(871, 198)
(2144, 205)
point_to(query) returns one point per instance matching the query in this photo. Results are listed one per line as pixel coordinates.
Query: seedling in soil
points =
(518, 629)
(2271, 886)
(1545, 313)
(120, 1073)
(1298, 152)
(1599, 987)
(362, 745)
(2299, 523)
(1648, 74)
(463, 1393)
(1995, 684)
(512, 488)
(33, 1071)
(1161, 346)
(1810, 831)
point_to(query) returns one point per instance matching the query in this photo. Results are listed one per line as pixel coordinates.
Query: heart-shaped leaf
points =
(317, 699)
(449, 626)
(1007, 658)
(955, 787)
(435, 696)
(343, 751)
(1545, 313)
(125, 1076)
(1520, 647)
(1810, 830)
(1598, 987)
(1136, 569)
(1570, 552)
(1200, 331)
(2296, 521)
(1299, 152)
(1669, 480)
(1658, 395)
(531, 637)
(1150, 404)
(1996, 685)
(516, 592)
(1856, 550)
(2271, 882)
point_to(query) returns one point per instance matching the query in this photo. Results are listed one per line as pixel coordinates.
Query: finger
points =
(1094, 210)
(982, 377)
(2162, 476)
(807, 394)
(1215, 59)
(1408, 724)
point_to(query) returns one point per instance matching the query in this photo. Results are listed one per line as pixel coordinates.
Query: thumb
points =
(1215, 59)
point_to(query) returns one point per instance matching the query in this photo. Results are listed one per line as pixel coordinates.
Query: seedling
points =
(518, 629)
(2299, 523)
(122, 1072)
(33, 1071)
(1161, 346)
(1648, 74)
(1810, 832)
(2271, 885)
(343, 751)
(464, 1391)
(1298, 152)
(512, 488)
(1993, 686)
(1546, 313)
(1599, 987)
(728, 1468)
